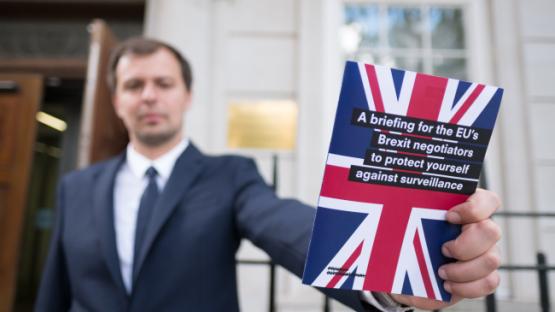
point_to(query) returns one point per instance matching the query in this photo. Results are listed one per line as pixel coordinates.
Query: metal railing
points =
(542, 269)
(272, 286)
(541, 266)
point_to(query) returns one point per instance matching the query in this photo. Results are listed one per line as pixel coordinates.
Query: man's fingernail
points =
(447, 287)
(453, 217)
(442, 273)
(446, 252)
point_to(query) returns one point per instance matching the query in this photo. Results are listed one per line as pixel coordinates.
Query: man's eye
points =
(165, 84)
(133, 85)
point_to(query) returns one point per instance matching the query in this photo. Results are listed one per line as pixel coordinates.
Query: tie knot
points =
(151, 172)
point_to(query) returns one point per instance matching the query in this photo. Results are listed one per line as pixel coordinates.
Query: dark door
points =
(20, 95)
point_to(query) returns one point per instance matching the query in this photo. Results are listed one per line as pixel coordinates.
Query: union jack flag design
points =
(382, 237)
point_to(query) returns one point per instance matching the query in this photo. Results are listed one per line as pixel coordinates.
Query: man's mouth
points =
(151, 118)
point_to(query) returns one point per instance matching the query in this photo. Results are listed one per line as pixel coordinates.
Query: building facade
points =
(294, 50)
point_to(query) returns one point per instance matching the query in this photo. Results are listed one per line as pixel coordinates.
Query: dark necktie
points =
(148, 201)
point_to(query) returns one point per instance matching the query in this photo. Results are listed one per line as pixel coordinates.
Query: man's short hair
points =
(145, 46)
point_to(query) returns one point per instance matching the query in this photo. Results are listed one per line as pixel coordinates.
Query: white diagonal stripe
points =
(366, 85)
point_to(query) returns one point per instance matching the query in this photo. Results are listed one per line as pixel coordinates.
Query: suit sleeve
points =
(281, 227)
(54, 292)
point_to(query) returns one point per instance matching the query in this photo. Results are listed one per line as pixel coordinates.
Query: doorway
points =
(54, 154)
(51, 39)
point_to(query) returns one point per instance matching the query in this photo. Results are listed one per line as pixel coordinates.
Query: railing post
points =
(490, 303)
(272, 303)
(490, 299)
(543, 280)
(326, 304)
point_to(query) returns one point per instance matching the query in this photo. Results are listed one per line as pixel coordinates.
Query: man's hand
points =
(474, 274)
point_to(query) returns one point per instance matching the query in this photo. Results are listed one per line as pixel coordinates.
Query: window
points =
(419, 37)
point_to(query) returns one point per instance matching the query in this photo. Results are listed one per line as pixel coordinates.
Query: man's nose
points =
(149, 93)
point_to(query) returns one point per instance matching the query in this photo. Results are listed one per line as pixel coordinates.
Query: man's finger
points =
(474, 289)
(475, 240)
(471, 270)
(480, 206)
(425, 303)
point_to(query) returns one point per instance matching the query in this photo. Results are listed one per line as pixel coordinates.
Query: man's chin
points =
(155, 139)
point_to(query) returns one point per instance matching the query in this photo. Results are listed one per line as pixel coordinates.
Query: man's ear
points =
(115, 104)
(188, 101)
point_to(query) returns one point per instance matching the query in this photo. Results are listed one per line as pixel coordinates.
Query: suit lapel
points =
(103, 205)
(186, 170)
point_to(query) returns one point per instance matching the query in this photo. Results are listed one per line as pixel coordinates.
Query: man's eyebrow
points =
(164, 77)
(132, 79)
(141, 78)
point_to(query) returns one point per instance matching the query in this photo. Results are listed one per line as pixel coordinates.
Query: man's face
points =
(151, 97)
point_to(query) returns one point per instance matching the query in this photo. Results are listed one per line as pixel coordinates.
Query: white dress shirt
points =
(129, 186)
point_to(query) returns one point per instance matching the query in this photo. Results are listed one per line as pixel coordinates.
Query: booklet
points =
(406, 147)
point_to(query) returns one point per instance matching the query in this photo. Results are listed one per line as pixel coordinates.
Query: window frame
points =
(477, 44)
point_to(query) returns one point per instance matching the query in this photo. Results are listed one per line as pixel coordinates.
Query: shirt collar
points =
(138, 164)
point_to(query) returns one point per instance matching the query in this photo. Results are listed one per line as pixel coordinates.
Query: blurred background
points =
(287, 57)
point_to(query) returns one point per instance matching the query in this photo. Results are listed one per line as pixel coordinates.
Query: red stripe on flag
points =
(427, 96)
(466, 105)
(423, 268)
(336, 184)
(375, 87)
(387, 243)
(406, 171)
(412, 154)
(345, 266)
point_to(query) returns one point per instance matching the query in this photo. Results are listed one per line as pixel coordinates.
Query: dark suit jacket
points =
(188, 264)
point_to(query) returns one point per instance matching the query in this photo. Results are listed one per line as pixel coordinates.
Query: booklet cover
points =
(405, 148)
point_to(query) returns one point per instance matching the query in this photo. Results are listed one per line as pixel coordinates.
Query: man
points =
(157, 228)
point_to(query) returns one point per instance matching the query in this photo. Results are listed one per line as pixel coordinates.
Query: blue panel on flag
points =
(352, 95)
(407, 290)
(398, 76)
(333, 228)
(437, 233)
(461, 89)
(349, 282)
(486, 119)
